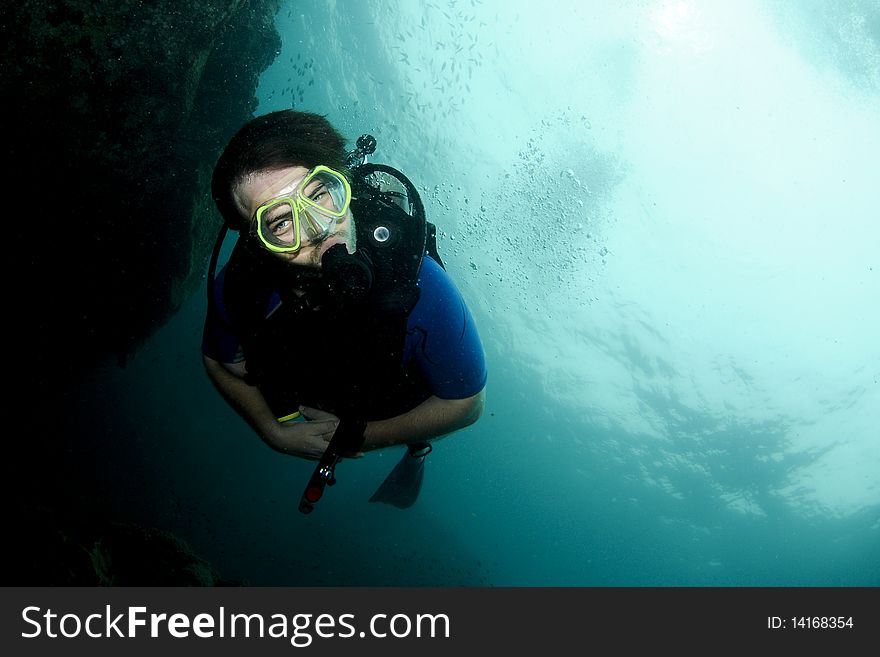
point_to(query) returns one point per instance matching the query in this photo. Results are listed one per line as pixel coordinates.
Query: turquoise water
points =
(664, 218)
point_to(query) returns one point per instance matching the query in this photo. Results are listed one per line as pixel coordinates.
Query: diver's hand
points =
(317, 415)
(313, 414)
(307, 440)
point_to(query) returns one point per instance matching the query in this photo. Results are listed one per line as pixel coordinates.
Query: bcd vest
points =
(325, 346)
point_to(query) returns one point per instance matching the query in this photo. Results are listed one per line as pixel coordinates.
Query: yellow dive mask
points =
(321, 200)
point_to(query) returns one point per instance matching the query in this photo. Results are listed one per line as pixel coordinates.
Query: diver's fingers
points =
(324, 428)
(310, 413)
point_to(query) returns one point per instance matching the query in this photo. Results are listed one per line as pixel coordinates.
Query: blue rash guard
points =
(441, 336)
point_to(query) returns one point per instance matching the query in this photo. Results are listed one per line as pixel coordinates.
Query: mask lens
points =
(326, 192)
(277, 224)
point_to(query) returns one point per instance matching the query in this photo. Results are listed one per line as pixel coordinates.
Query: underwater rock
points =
(51, 547)
(114, 113)
(128, 555)
(113, 116)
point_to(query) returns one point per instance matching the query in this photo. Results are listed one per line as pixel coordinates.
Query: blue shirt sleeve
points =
(442, 338)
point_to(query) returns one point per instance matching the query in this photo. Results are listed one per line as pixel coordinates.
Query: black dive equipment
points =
(348, 438)
(349, 276)
(365, 145)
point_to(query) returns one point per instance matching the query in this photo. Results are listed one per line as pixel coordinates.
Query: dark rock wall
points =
(114, 113)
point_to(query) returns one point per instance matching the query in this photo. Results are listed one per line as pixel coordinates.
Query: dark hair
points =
(276, 140)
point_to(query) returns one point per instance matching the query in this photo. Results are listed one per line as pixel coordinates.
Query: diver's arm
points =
(433, 418)
(305, 439)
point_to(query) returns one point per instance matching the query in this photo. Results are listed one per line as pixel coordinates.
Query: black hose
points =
(212, 266)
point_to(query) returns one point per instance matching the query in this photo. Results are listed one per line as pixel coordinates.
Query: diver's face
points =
(259, 187)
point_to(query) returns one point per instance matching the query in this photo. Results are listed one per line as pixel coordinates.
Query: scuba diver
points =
(334, 329)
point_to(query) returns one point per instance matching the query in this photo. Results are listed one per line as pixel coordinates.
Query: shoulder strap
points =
(431, 245)
(390, 222)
